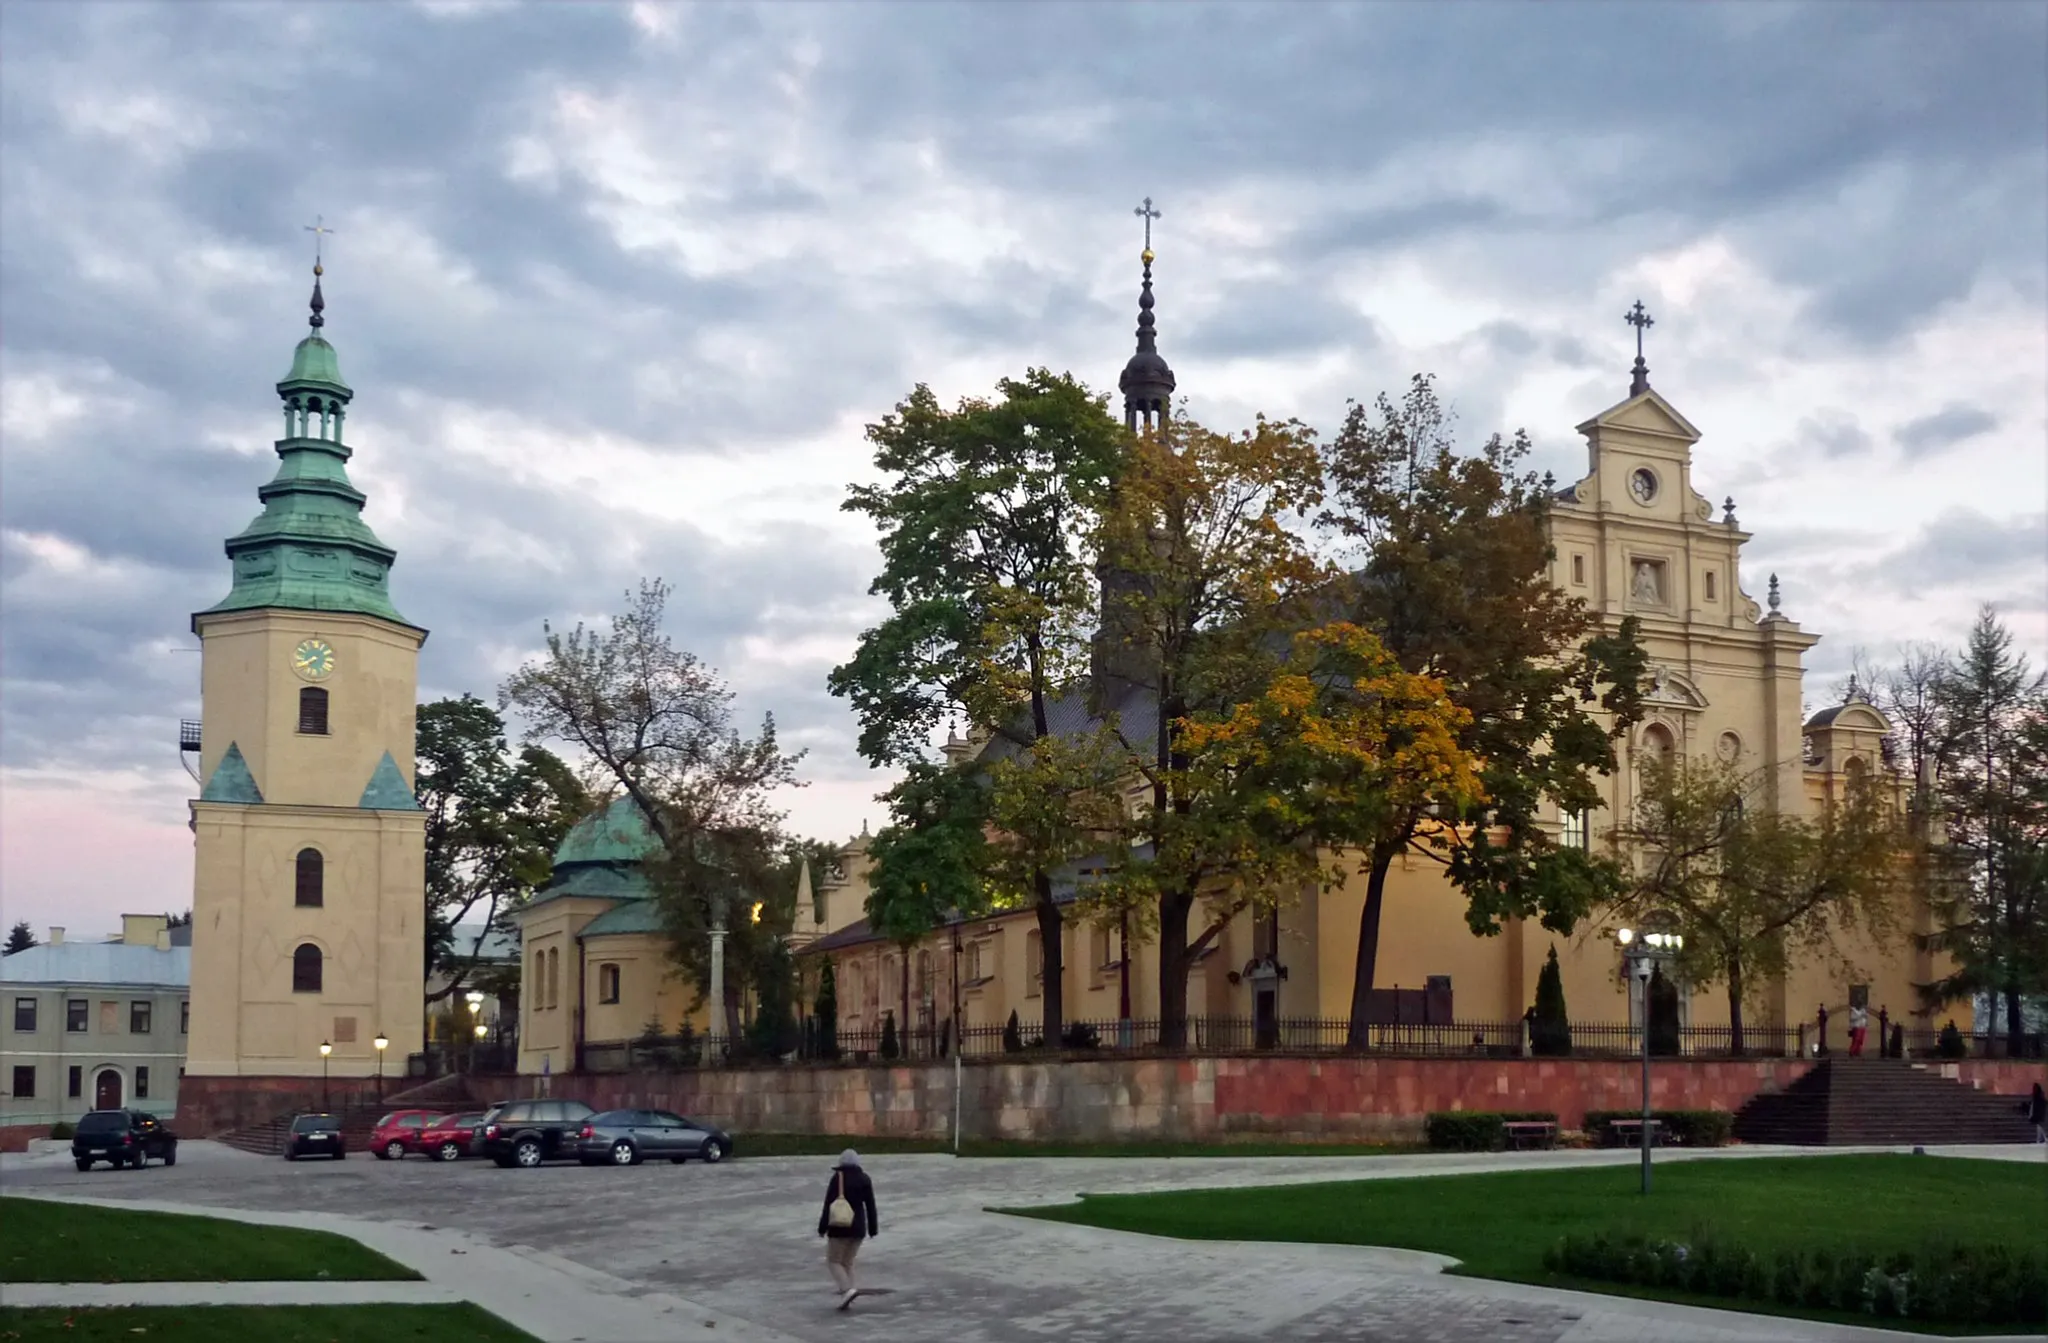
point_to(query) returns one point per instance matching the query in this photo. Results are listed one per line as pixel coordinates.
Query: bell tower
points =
(309, 886)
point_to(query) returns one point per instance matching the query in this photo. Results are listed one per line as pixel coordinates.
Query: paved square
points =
(739, 1239)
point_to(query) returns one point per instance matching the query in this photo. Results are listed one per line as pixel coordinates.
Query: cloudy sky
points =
(618, 287)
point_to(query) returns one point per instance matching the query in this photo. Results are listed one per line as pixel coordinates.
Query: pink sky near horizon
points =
(80, 857)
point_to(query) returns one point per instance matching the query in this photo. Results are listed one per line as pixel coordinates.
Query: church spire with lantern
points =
(310, 550)
(1147, 382)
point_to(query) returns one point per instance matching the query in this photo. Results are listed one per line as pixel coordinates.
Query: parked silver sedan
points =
(628, 1137)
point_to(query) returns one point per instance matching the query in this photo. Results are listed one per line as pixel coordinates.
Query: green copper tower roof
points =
(310, 550)
(231, 781)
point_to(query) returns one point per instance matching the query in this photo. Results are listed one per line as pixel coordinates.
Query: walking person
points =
(1859, 1028)
(2037, 1113)
(848, 1219)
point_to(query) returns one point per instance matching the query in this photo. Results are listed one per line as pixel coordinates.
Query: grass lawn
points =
(42, 1241)
(809, 1144)
(271, 1324)
(1500, 1225)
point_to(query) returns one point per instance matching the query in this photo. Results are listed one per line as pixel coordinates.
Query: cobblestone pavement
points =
(739, 1239)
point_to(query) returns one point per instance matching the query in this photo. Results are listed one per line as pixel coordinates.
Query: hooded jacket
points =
(860, 1192)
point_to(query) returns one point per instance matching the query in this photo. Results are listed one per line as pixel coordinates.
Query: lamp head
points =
(1642, 968)
(482, 1030)
(325, 1049)
(381, 1043)
(1625, 935)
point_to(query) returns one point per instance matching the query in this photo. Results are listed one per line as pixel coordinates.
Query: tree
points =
(773, 1032)
(179, 920)
(1661, 1016)
(1550, 1029)
(984, 523)
(1752, 887)
(656, 723)
(19, 938)
(494, 819)
(890, 1048)
(825, 1012)
(1992, 793)
(1455, 583)
(1013, 1034)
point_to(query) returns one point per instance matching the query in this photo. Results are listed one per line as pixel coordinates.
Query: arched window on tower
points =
(306, 968)
(310, 885)
(313, 711)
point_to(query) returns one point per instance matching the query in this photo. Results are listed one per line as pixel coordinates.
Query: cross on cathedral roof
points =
(1641, 320)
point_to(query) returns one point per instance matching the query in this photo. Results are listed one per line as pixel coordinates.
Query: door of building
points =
(106, 1090)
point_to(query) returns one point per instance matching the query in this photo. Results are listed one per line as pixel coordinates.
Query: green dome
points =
(315, 361)
(618, 834)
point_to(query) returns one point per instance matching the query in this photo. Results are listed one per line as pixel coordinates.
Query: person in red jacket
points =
(847, 1219)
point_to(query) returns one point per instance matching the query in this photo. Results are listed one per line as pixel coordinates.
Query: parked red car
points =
(398, 1133)
(449, 1137)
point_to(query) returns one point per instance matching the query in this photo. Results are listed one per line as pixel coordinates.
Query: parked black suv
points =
(311, 1133)
(526, 1133)
(122, 1138)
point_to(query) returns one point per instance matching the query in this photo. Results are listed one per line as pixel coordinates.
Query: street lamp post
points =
(325, 1050)
(381, 1043)
(1642, 952)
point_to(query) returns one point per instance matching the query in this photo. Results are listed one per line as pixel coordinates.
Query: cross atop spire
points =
(1641, 321)
(1148, 214)
(318, 228)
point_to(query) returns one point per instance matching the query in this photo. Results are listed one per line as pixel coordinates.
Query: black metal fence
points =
(1205, 1035)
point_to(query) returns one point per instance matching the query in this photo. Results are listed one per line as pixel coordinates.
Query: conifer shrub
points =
(1013, 1034)
(891, 1048)
(1550, 1029)
(1080, 1035)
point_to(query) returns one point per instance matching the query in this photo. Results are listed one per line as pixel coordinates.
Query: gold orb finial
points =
(1146, 256)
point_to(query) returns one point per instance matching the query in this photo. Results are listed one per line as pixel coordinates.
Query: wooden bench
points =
(1629, 1132)
(1522, 1133)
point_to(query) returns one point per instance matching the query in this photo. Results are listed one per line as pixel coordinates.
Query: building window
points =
(306, 968)
(75, 1084)
(608, 983)
(1579, 570)
(24, 1081)
(1572, 830)
(141, 1082)
(309, 885)
(185, 1017)
(1034, 963)
(554, 977)
(110, 1018)
(313, 711)
(1710, 585)
(74, 1015)
(25, 1014)
(138, 1018)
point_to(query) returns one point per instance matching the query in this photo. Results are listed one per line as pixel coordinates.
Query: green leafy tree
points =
(655, 723)
(1750, 887)
(183, 919)
(1662, 994)
(494, 819)
(825, 1014)
(1550, 1028)
(773, 1031)
(1454, 580)
(19, 938)
(1991, 892)
(984, 518)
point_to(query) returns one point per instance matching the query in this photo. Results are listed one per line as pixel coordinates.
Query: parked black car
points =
(526, 1133)
(315, 1135)
(628, 1137)
(122, 1138)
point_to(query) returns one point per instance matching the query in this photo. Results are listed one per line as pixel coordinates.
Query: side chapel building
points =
(1635, 536)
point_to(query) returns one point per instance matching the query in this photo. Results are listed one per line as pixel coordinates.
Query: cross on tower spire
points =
(1148, 214)
(1641, 320)
(318, 228)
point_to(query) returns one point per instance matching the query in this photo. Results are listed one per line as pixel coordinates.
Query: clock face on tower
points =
(1642, 483)
(313, 659)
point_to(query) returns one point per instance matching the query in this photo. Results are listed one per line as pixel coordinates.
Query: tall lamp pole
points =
(325, 1050)
(381, 1043)
(1643, 952)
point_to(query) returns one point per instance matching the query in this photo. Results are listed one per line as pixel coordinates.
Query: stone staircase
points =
(1857, 1102)
(357, 1110)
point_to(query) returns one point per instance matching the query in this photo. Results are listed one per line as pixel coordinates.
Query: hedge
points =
(61, 1129)
(1687, 1128)
(1477, 1130)
(1951, 1284)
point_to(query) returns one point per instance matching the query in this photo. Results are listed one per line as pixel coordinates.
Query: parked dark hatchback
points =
(315, 1135)
(122, 1138)
(526, 1133)
(628, 1137)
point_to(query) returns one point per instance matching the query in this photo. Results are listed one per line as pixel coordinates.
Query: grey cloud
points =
(1835, 433)
(1952, 424)
(1965, 548)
